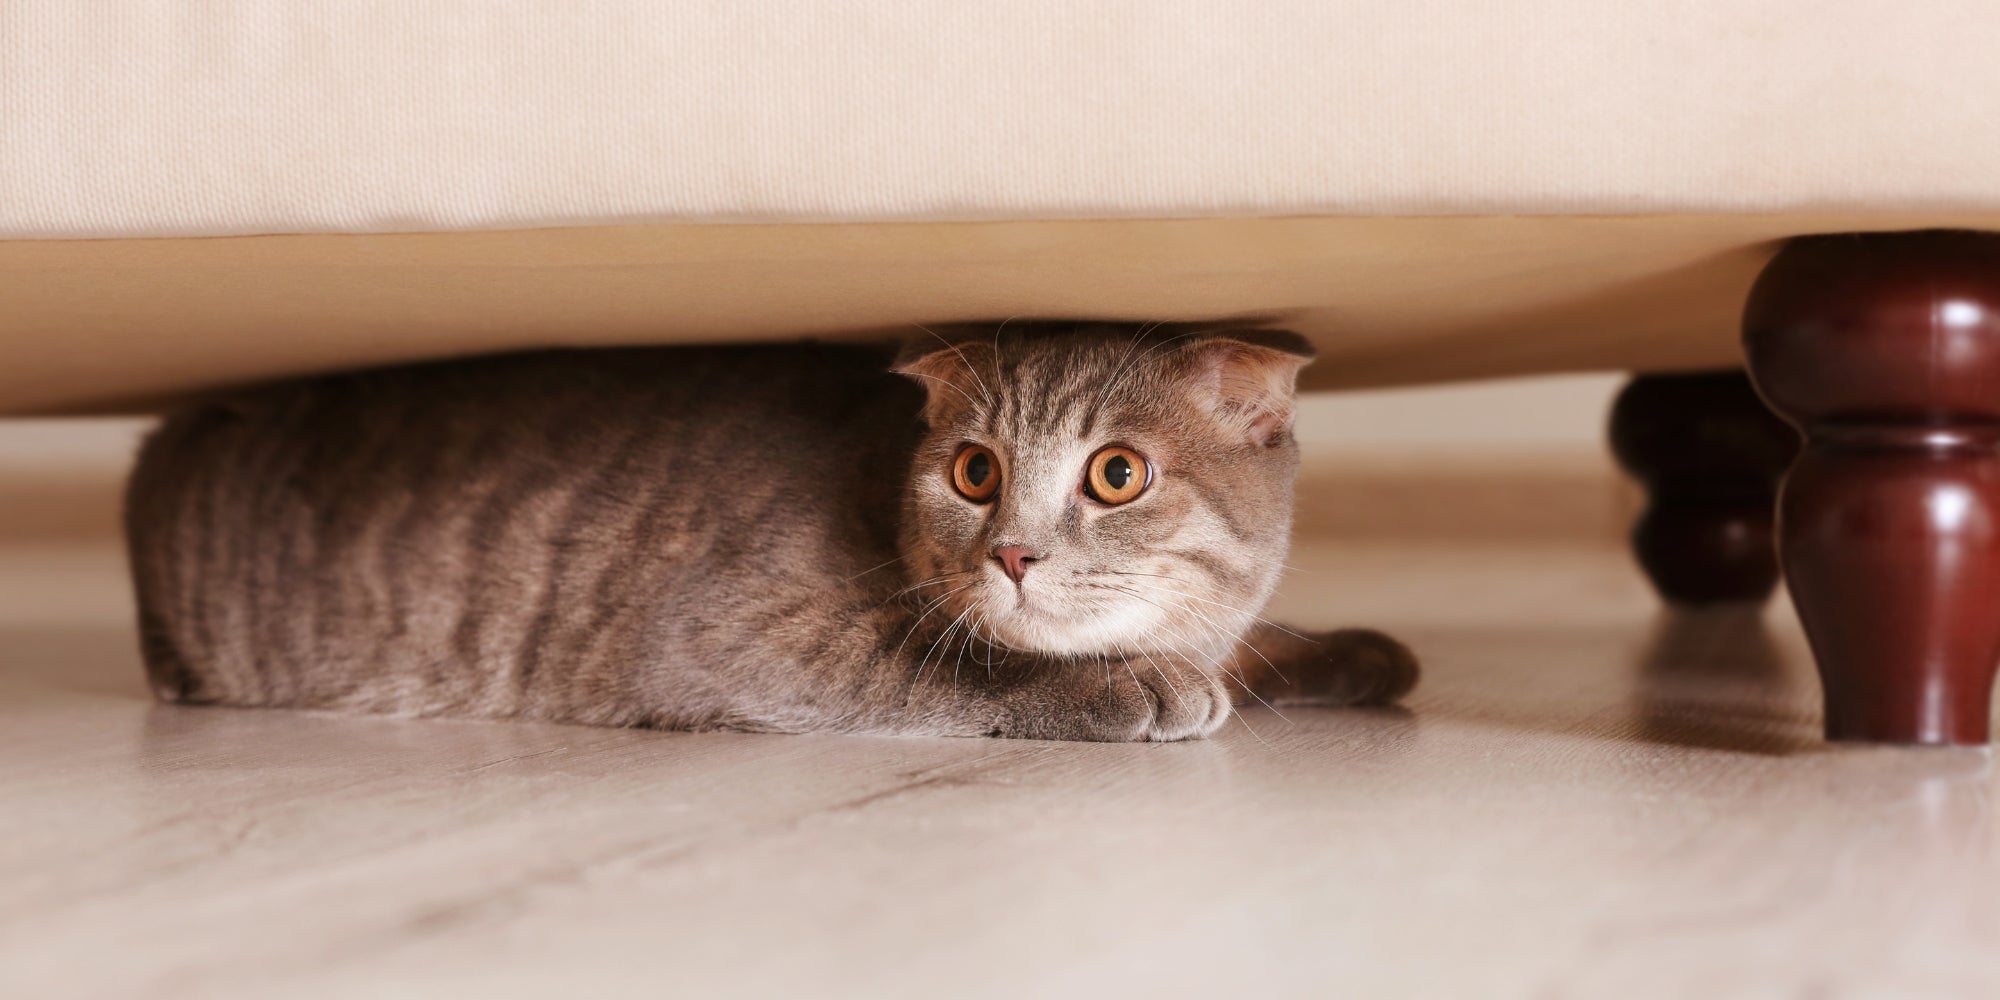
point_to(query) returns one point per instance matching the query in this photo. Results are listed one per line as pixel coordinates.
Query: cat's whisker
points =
(946, 383)
(1119, 370)
(923, 667)
(1138, 337)
(1119, 375)
(1125, 660)
(941, 639)
(938, 581)
(1212, 623)
(997, 377)
(930, 609)
(1247, 689)
(985, 643)
(933, 604)
(1215, 660)
(1252, 730)
(941, 578)
(1220, 604)
(995, 644)
(1179, 698)
(964, 644)
(871, 569)
(1152, 660)
(1240, 640)
(1166, 624)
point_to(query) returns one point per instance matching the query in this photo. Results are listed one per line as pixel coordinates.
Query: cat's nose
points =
(1014, 559)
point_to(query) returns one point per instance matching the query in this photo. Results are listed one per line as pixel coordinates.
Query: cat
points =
(1054, 531)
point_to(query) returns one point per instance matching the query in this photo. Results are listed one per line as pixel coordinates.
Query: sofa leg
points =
(1885, 350)
(1710, 454)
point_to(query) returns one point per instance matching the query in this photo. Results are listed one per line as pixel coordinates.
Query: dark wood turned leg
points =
(1885, 350)
(1710, 454)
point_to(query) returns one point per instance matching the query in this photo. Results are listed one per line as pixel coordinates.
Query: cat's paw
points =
(1147, 703)
(1349, 667)
(1185, 704)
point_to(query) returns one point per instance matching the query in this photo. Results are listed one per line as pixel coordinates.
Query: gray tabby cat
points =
(1066, 533)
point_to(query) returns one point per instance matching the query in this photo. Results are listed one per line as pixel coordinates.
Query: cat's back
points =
(302, 542)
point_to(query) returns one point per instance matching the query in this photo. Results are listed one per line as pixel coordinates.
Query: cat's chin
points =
(1047, 626)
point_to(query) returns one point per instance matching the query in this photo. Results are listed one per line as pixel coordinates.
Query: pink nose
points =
(1014, 559)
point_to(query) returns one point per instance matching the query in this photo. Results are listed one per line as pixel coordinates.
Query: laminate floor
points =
(1588, 797)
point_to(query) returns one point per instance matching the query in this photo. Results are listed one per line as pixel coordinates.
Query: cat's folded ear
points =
(1248, 379)
(950, 369)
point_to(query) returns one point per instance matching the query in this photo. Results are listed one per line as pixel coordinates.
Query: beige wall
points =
(1561, 413)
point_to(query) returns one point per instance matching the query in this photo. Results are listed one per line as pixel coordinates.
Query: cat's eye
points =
(1117, 475)
(975, 473)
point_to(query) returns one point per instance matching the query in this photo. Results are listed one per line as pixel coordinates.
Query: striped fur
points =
(758, 538)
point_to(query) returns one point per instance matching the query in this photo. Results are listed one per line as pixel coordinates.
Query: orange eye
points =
(975, 473)
(1117, 475)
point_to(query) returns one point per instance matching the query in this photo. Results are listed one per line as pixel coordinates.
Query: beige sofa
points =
(1431, 190)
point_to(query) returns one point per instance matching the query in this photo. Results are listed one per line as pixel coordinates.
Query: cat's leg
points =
(1344, 667)
(1108, 700)
(878, 674)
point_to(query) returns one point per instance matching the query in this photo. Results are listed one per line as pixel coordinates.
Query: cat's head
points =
(1091, 488)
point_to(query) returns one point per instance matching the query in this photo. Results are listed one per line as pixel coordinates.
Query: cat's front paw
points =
(1185, 704)
(1135, 702)
(1349, 667)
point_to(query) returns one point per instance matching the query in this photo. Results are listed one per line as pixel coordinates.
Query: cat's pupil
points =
(1117, 472)
(977, 468)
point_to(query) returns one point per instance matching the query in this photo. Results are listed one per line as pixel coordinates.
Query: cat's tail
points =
(1352, 666)
(1367, 667)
